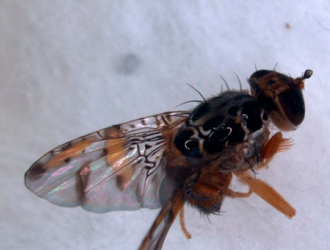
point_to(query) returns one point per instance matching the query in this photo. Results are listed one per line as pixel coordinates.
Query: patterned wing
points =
(116, 168)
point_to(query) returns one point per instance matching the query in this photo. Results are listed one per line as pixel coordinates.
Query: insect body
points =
(168, 159)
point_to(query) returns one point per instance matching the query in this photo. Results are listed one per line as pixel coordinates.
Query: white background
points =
(68, 68)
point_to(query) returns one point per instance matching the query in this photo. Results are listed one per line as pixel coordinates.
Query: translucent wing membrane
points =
(116, 168)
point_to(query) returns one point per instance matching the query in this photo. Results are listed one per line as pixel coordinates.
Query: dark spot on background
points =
(128, 64)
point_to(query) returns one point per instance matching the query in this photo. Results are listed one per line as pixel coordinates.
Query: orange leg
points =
(233, 194)
(275, 145)
(183, 225)
(267, 193)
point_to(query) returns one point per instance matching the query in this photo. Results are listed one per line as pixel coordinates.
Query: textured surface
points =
(68, 68)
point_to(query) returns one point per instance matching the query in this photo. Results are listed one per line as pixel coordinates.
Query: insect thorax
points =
(227, 130)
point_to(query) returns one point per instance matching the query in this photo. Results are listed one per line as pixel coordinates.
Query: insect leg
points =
(158, 231)
(183, 225)
(206, 195)
(233, 194)
(275, 145)
(267, 193)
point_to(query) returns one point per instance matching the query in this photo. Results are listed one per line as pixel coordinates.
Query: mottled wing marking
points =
(116, 168)
(116, 147)
(124, 178)
(67, 154)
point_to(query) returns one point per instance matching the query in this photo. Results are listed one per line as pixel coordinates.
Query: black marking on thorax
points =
(220, 121)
